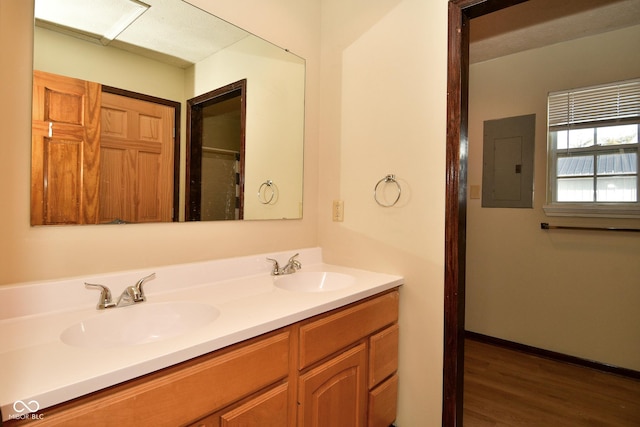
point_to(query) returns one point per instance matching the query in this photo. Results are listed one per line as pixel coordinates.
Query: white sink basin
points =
(314, 281)
(139, 324)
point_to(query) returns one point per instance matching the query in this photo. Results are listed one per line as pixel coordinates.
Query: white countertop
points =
(38, 369)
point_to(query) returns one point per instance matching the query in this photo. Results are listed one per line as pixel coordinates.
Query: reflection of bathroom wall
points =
(273, 140)
(571, 292)
(104, 64)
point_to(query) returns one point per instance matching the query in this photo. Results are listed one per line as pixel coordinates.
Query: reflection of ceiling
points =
(172, 28)
(538, 23)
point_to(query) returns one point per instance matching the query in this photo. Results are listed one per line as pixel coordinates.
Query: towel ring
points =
(387, 179)
(268, 185)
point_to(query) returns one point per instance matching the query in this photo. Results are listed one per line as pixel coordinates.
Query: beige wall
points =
(574, 292)
(272, 139)
(383, 108)
(104, 64)
(375, 104)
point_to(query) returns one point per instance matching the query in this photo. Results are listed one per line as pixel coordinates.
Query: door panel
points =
(62, 181)
(116, 180)
(335, 393)
(65, 150)
(144, 131)
(508, 154)
(149, 189)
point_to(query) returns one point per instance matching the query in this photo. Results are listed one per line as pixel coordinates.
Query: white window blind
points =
(593, 153)
(604, 103)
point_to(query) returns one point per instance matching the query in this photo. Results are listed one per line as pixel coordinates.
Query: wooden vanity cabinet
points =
(348, 362)
(335, 369)
(181, 394)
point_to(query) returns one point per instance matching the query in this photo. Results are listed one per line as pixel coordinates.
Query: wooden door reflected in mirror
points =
(100, 155)
(136, 160)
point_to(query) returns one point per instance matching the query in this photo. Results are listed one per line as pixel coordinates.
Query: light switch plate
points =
(474, 192)
(338, 211)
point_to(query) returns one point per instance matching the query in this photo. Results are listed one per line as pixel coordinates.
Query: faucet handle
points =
(276, 267)
(138, 293)
(105, 296)
(294, 261)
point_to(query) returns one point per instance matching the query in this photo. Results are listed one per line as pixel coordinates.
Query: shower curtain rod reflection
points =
(546, 226)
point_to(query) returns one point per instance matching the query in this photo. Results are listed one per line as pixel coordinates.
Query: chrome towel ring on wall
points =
(378, 193)
(267, 192)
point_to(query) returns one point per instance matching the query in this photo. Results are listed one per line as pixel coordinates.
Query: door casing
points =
(460, 12)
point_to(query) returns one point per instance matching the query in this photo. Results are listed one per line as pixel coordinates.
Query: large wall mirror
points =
(157, 111)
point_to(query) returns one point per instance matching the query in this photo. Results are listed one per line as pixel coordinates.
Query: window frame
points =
(557, 121)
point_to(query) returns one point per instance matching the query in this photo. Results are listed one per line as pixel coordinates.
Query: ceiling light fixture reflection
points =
(135, 9)
(100, 21)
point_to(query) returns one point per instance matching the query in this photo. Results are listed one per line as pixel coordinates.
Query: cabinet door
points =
(334, 394)
(269, 409)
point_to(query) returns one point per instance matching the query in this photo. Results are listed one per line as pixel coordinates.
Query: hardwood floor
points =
(504, 388)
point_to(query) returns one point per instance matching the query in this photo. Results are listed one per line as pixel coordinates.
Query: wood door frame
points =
(194, 151)
(175, 209)
(459, 14)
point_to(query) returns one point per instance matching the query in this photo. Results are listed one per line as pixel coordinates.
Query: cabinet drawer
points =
(184, 393)
(329, 334)
(383, 355)
(383, 402)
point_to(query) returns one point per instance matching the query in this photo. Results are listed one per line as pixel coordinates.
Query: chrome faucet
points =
(105, 296)
(134, 294)
(131, 295)
(292, 266)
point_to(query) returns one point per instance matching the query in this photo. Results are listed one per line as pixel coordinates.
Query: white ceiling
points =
(538, 23)
(170, 30)
(176, 32)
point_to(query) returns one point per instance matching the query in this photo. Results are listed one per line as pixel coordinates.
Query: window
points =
(593, 151)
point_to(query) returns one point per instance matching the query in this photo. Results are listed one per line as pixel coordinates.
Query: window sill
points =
(592, 211)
